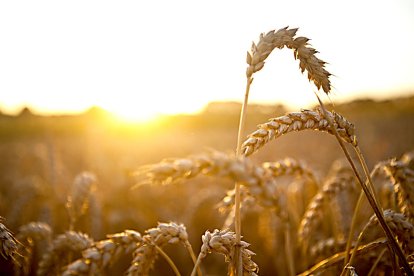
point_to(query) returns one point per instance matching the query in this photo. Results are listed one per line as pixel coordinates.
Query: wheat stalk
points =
(298, 121)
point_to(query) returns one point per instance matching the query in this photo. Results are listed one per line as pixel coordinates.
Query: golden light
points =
(148, 110)
(133, 114)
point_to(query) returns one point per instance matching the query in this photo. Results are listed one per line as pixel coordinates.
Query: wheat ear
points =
(403, 181)
(284, 37)
(61, 251)
(258, 179)
(265, 195)
(8, 243)
(315, 210)
(398, 225)
(103, 253)
(298, 121)
(146, 252)
(77, 202)
(224, 242)
(401, 228)
(29, 235)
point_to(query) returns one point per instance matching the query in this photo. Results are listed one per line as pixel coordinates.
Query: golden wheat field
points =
(238, 189)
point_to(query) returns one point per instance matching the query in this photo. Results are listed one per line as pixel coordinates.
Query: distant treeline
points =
(215, 115)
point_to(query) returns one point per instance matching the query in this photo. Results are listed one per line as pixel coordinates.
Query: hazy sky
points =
(144, 57)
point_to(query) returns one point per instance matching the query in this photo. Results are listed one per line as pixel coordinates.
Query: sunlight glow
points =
(139, 60)
(148, 109)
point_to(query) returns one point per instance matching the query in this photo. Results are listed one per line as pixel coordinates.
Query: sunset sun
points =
(148, 109)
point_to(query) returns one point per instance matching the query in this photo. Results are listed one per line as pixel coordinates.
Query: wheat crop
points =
(298, 217)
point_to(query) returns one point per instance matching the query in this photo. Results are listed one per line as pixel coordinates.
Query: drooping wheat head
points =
(298, 121)
(285, 37)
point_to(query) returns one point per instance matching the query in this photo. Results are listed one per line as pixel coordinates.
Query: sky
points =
(140, 58)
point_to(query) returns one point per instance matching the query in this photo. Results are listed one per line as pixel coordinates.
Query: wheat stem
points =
(197, 264)
(193, 257)
(367, 174)
(353, 224)
(351, 260)
(168, 259)
(372, 270)
(288, 250)
(237, 216)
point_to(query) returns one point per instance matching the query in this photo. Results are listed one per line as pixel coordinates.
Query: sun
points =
(149, 110)
(133, 113)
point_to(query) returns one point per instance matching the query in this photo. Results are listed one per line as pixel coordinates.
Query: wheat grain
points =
(298, 121)
(63, 246)
(102, 253)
